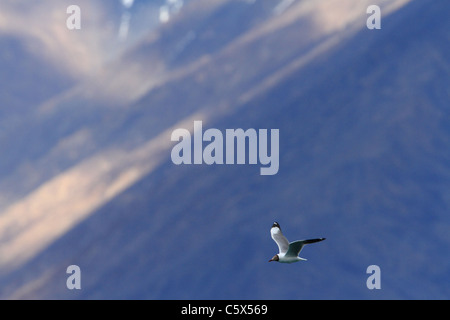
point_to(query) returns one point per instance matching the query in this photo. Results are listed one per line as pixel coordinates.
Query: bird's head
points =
(275, 258)
(275, 226)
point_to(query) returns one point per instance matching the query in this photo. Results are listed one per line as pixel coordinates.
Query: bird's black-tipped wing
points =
(279, 238)
(297, 246)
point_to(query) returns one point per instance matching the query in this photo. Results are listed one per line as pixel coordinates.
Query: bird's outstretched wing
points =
(296, 246)
(279, 238)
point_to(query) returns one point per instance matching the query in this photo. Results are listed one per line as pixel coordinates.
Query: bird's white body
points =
(288, 252)
(288, 259)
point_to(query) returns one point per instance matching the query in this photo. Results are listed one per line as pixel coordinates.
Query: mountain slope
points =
(363, 162)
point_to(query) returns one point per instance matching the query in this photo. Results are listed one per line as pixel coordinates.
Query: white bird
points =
(288, 252)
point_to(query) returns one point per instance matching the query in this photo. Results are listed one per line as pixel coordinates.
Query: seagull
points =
(288, 251)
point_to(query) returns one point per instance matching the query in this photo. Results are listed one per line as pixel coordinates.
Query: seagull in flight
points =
(288, 251)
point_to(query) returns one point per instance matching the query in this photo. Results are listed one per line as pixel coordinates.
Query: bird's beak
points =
(270, 260)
